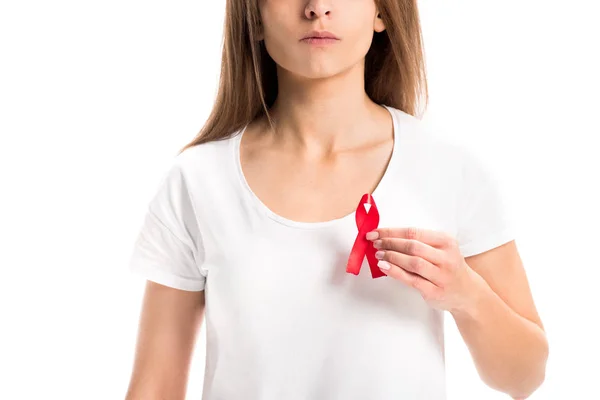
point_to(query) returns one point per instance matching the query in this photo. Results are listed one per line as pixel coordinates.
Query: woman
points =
(254, 222)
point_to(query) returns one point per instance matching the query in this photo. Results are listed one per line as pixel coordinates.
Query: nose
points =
(317, 9)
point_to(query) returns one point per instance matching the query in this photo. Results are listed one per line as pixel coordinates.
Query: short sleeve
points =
(483, 222)
(168, 248)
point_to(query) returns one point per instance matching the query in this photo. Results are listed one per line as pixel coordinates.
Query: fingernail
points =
(372, 235)
(377, 244)
(383, 265)
(379, 254)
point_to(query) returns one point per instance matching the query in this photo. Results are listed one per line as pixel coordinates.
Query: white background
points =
(97, 97)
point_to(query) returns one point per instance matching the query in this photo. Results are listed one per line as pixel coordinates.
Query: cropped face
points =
(291, 30)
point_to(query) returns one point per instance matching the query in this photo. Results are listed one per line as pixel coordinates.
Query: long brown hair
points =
(395, 70)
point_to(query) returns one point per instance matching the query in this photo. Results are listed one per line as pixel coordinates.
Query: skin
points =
(319, 161)
(487, 294)
(331, 139)
(169, 324)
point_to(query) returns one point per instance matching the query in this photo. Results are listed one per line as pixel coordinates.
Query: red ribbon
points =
(366, 222)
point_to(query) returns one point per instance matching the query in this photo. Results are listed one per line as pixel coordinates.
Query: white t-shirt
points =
(284, 320)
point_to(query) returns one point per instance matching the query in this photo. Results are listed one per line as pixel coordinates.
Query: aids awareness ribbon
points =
(366, 222)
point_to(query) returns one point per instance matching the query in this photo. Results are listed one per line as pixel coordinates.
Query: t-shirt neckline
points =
(258, 203)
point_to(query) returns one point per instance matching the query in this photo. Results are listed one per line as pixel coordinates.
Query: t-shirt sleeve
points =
(168, 249)
(483, 221)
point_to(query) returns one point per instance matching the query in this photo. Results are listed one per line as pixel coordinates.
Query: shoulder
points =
(206, 159)
(197, 169)
(421, 140)
(430, 154)
(208, 152)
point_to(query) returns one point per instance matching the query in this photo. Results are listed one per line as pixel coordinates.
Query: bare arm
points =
(169, 322)
(503, 331)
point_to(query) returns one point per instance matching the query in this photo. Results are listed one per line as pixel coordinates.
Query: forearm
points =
(509, 351)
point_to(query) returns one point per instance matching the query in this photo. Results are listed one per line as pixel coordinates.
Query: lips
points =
(320, 35)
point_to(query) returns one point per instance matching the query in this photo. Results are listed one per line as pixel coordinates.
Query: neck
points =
(320, 116)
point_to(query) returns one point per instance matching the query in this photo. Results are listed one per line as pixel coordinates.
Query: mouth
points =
(319, 37)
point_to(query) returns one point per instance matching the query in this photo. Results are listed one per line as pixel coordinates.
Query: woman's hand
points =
(429, 261)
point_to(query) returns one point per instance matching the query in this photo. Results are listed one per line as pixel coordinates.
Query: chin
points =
(317, 69)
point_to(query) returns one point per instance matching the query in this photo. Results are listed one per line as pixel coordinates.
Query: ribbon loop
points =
(366, 222)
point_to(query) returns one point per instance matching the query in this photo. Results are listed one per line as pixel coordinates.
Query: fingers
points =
(411, 279)
(433, 238)
(410, 247)
(415, 265)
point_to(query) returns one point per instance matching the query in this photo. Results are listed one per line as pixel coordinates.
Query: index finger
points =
(428, 236)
